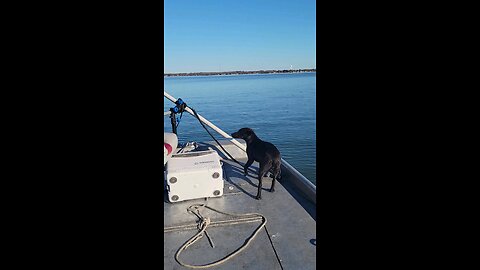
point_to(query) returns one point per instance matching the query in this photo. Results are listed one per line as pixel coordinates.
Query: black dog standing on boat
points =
(265, 153)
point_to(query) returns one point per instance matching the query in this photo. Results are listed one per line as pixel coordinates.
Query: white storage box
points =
(194, 175)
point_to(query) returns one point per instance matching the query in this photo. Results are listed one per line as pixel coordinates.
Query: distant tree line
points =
(238, 72)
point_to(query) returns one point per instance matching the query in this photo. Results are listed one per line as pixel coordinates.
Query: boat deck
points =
(288, 241)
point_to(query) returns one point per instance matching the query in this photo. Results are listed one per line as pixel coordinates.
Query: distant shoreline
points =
(231, 73)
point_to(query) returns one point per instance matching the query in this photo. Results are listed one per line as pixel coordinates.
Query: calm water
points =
(280, 108)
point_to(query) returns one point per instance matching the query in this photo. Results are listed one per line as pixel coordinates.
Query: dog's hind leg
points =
(276, 173)
(264, 167)
(272, 188)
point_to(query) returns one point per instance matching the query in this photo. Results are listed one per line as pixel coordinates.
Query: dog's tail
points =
(277, 169)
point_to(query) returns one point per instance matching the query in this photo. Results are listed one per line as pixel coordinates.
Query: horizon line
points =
(230, 71)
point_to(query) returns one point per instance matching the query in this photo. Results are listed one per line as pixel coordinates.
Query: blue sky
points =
(225, 35)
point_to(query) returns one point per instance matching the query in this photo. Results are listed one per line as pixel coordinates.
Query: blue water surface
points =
(280, 108)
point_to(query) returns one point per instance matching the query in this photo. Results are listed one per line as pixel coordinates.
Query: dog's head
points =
(244, 133)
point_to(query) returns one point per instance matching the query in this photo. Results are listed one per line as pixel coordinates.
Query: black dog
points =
(265, 153)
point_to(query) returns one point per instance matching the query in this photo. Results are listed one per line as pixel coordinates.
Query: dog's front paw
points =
(258, 197)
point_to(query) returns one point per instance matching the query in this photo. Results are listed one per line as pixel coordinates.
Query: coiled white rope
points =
(202, 226)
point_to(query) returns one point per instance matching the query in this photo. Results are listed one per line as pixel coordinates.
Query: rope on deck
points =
(202, 227)
(188, 227)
